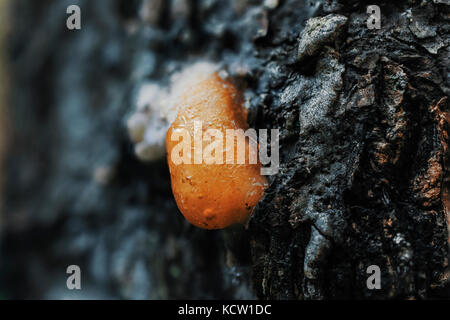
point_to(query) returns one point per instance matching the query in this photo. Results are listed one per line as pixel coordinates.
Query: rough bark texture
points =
(364, 118)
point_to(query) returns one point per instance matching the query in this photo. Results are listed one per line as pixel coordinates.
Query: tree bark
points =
(363, 179)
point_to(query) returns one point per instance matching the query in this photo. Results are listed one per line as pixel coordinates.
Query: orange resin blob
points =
(213, 196)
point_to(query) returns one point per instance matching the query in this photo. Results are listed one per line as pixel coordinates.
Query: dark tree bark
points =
(363, 180)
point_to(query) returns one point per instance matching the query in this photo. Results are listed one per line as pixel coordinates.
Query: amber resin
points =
(213, 196)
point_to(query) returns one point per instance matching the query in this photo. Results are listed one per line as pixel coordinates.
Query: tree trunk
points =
(363, 179)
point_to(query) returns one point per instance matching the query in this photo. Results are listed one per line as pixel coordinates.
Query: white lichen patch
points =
(147, 125)
(156, 109)
(318, 32)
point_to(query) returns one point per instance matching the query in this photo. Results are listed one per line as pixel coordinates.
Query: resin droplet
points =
(215, 195)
